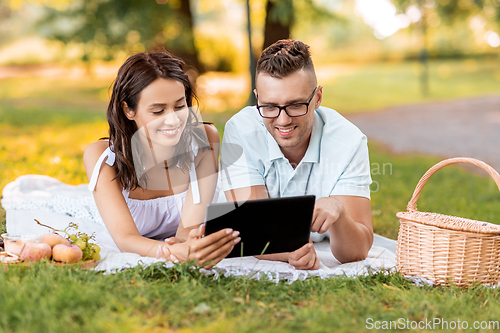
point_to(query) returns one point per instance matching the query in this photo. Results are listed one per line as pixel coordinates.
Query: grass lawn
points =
(371, 87)
(44, 129)
(43, 298)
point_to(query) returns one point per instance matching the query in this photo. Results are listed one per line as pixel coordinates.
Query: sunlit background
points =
(79, 39)
(58, 59)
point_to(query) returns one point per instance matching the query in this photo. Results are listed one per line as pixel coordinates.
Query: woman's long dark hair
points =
(134, 75)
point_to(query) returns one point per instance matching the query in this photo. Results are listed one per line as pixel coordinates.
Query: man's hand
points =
(304, 258)
(164, 251)
(326, 212)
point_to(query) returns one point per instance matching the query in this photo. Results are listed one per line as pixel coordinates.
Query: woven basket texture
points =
(448, 249)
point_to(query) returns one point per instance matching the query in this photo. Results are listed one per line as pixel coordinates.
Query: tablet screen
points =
(266, 226)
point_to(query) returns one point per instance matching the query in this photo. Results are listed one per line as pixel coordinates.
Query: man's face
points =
(291, 133)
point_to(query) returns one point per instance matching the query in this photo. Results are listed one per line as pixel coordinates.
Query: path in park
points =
(467, 127)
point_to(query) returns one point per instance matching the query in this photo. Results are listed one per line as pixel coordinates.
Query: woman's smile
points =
(170, 132)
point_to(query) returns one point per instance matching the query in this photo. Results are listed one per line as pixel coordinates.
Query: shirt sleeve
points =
(355, 180)
(238, 168)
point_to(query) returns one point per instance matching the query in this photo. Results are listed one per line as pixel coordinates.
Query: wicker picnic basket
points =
(448, 249)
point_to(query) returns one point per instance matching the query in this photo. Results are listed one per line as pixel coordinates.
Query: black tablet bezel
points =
(266, 226)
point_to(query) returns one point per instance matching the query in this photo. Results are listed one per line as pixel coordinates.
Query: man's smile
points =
(286, 131)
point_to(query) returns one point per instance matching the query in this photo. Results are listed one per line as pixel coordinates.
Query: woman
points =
(158, 171)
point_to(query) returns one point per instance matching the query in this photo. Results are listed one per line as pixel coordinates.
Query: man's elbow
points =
(351, 255)
(353, 258)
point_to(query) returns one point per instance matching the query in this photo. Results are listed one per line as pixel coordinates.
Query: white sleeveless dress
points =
(155, 218)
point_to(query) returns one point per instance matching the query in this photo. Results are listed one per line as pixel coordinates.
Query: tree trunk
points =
(189, 52)
(274, 29)
(252, 61)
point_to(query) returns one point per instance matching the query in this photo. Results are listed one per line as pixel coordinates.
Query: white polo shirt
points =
(336, 161)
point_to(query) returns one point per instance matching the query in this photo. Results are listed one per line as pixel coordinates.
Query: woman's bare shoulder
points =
(93, 152)
(212, 133)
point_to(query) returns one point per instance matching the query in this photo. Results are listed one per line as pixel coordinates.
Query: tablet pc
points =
(266, 226)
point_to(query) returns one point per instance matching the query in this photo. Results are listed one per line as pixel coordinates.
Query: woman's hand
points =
(210, 249)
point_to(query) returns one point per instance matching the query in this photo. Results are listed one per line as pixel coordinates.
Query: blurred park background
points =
(58, 59)
(413, 43)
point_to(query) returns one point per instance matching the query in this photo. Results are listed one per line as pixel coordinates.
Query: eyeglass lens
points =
(293, 110)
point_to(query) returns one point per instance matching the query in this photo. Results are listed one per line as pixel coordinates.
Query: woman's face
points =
(161, 112)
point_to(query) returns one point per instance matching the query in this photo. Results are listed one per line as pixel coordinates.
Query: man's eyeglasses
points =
(292, 110)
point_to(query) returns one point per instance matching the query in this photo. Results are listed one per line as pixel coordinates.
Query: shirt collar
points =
(273, 148)
(312, 153)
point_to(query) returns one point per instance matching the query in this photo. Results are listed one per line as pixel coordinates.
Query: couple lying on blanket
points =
(155, 174)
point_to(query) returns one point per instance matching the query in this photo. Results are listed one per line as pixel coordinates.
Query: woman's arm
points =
(113, 207)
(206, 164)
(193, 215)
(120, 224)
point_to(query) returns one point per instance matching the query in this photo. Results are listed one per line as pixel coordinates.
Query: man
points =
(293, 146)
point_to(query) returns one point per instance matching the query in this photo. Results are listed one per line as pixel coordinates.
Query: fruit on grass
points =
(35, 251)
(81, 244)
(83, 241)
(89, 249)
(53, 239)
(67, 253)
(92, 251)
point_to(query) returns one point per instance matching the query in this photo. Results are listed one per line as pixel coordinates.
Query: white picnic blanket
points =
(56, 204)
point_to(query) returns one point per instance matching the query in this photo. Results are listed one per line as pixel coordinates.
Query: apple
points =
(35, 251)
(68, 253)
(53, 239)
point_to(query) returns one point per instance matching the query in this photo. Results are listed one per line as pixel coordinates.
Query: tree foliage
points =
(451, 11)
(106, 26)
(59, 4)
(282, 14)
(454, 28)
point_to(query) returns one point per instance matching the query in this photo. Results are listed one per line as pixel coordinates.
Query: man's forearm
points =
(274, 257)
(350, 240)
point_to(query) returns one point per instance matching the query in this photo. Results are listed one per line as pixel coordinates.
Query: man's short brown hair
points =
(284, 58)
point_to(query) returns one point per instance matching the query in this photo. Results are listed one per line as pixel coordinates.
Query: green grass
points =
(44, 298)
(46, 124)
(377, 86)
(44, 129)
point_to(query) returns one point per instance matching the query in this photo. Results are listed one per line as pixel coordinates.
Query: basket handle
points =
(412, 205)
